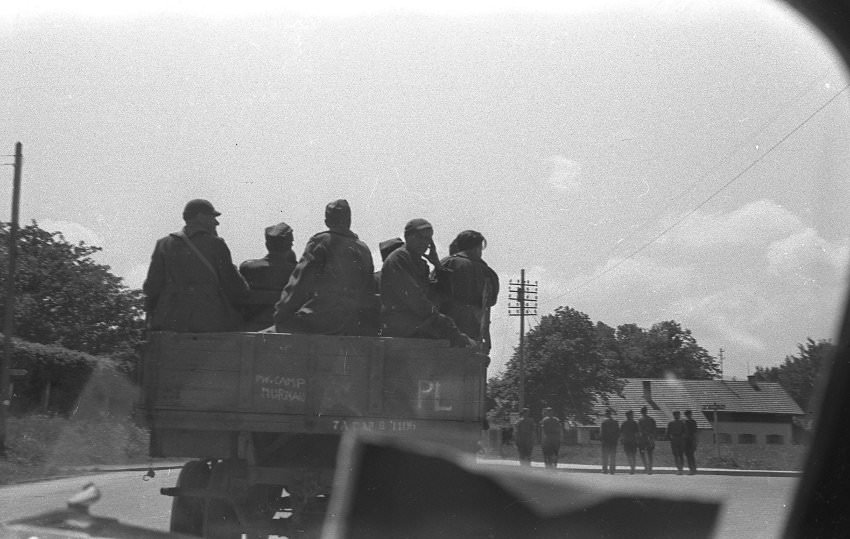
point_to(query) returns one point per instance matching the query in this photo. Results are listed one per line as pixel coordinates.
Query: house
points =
(744, 412)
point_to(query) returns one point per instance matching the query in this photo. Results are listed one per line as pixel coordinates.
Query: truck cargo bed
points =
(202, 389)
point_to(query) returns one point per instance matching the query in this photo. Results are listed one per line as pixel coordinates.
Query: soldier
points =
(629, 434)
(408, 308)
(551, 443)
(331, 288)
(525, 430)
(192, 284)
(469, 286)
(676, 435)
(267, 276)
(690, 442)
(646, 440)
(609, 434)
(386, 247)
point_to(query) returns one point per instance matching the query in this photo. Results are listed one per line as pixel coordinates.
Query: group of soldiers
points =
(639, 436)
(192, 284)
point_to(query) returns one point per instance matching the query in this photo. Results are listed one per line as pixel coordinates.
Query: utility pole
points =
(9, 313)
(714, 407)
(523, 296)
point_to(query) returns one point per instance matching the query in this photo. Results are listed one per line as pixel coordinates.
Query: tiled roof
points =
(670, 395)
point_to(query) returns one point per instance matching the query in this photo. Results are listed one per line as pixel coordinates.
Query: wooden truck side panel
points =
(201, 389)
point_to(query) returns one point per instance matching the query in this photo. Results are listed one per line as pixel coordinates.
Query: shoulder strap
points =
(182, 235)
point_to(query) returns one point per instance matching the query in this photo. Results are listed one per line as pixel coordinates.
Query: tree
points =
(564, 368)
(64, 297)
(798, 373)
(664, 349)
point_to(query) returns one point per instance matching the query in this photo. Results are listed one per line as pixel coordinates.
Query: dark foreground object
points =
(394, 489)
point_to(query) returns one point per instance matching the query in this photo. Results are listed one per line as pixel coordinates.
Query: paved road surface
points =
(124, 495)
(755, 507)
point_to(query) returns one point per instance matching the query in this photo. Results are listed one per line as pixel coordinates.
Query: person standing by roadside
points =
(646, 439)
(691, 442)
(609, 433)
(676, 435)
(525, 430)
(551, 443)
(629, 434)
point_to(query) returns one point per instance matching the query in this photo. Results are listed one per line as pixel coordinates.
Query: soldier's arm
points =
(232, 282)
(155, 280)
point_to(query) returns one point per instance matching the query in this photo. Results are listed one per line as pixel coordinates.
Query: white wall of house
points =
(735, 433)
(743, 433)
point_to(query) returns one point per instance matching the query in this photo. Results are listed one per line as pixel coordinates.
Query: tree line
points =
(571, 364)
(73, 317)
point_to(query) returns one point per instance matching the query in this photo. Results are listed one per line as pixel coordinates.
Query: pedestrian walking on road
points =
(691, 442)
(525, 430)
(676, 435)
(629, 433)
(646, 439)
(609, 433)
(551, 427)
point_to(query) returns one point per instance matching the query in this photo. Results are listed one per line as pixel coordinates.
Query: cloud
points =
(73, 232)
(754, 281)
(136, 276)
(752, 224)
(806, 255)
(565, 172)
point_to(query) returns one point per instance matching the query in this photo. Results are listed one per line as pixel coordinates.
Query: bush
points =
(40, 445)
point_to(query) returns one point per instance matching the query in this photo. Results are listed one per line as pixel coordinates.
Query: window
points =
(724, 438)
(746, 438)
(775, 439)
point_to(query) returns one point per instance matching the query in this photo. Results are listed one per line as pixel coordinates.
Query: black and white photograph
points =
(424, 269)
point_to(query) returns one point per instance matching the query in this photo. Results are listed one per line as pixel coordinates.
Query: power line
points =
(713, 169)
(710, 197)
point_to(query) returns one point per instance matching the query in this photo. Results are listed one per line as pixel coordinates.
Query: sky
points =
(642, 161)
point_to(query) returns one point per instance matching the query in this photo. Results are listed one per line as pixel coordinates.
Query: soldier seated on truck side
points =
(192, 284)
(267, 276)
(332, 287)
(408, 308)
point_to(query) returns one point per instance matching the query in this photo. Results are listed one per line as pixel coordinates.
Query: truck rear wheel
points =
(220, 519)
(187, 513)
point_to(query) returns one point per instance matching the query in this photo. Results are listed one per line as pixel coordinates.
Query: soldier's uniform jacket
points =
(676, 429)
(331, 288)
(406, 294)
(468, 288)
(609, 431)
(266, 278)
(182, 294)
(646, 426)
(551, 427)
(525, 429)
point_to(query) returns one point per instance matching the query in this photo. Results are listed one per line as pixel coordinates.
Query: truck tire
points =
(220, 520)
(187, 513)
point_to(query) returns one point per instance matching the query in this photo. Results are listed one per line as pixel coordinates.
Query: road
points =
(755, 507)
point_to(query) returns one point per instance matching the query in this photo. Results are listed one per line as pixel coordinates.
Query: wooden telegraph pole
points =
(524, 298)
(714, 407)
(9, 314)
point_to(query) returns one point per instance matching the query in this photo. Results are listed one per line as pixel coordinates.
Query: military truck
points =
(261, 416)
